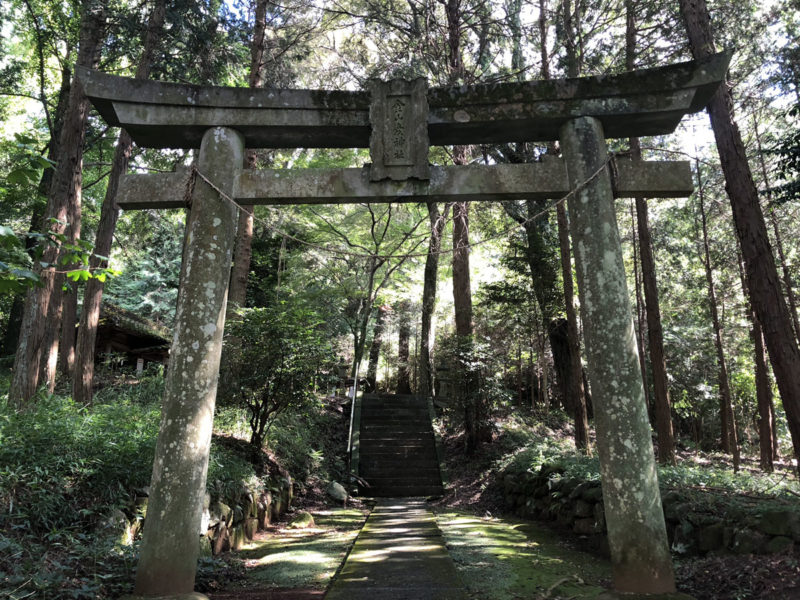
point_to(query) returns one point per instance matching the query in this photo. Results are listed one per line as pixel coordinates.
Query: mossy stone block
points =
(779, 545)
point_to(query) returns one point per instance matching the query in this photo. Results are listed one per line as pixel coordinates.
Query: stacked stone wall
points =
(228, 523)
(697, 524)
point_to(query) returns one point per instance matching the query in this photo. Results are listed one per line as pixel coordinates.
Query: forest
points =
(474, 304)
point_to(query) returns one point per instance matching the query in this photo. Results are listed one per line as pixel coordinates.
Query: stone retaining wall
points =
(227, 523)
(695, 525)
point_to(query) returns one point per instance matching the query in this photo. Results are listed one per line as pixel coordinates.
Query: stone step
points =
(393, 403)
(378, 424)
(388, 419)
(398, 470)
(390, 461)
(402, 491)
(381, 482)
(395, 437)
(405, 482)
(397, 448)
(396, 457)
(396, 411)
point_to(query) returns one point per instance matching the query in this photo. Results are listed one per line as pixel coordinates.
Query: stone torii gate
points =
(398, 121)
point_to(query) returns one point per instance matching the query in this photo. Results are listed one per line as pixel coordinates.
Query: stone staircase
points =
(397, 448)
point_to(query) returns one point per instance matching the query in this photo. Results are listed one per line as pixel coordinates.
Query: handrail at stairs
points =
(353, 435)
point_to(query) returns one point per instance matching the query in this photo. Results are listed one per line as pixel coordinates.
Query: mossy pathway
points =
(495, 559)
(506, 559)
(296, 564)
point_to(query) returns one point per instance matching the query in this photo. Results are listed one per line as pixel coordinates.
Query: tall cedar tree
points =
(83, 377)
(663, 413)
(242, 250)
(728, 422)
(437, 223)
(66, 187)
(762, 274)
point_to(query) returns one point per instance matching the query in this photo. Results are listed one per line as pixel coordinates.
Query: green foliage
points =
(529, 446)
(63, 468)
(788, 153)
(61, 455)
(286, 343)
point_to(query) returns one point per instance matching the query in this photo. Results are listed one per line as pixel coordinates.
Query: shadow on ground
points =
(296, 564)
(503, 559)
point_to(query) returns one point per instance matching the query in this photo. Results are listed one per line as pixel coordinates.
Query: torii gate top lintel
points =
(636, 103)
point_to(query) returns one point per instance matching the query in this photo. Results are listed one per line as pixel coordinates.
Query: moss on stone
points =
(500, 559)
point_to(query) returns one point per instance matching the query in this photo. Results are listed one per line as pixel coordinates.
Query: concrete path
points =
(399, 555)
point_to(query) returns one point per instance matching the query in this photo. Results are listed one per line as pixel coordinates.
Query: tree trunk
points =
(766, 424)
(69, 302)
(663, 413)
(14, 327)
(375, 348)
(727, 420)
(66, 185)
(83, 379)
(640, 319)
(462, 301)
(242, 252)
(462, 292)
(403, 350)
(575, 381)
(430, 281)
(762, 274)
(787, 276)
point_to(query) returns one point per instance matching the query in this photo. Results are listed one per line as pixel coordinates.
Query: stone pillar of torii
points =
(399, 120)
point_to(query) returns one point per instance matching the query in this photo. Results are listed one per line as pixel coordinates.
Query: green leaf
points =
(22, 176)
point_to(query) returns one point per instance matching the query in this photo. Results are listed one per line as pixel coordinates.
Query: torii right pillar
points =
(637, 536)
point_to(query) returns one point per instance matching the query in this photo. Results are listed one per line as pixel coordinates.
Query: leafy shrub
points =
(63, 468)
(61, 463)
(277, 354)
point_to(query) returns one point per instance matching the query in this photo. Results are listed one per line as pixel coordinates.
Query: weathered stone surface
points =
(302, 520)
(398, 144)
(540, 180)
(600, 516)
(205, 546)
(219, 511)
(238, 537)
(169, 115)
(336, 491)
(168, 558)
(711, 538)
(250, 526)
(780, 522)
(116, 525)
(779, 545)
(221, 539)
(387, 566)
(584, 526)
(584, 509)
(637, 535)
(593, 494)
(747, 541)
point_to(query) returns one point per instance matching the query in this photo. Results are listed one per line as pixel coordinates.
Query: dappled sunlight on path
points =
(296, 564)
(500, 559)
(399, 555)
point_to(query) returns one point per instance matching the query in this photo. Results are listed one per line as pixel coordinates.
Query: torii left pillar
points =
(170, 542)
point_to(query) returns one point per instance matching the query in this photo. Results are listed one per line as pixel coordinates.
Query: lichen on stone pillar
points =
(637, 537)
(170, 544)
